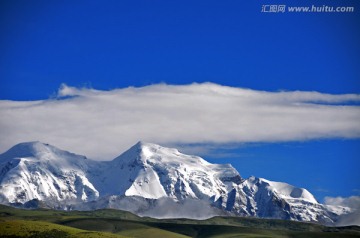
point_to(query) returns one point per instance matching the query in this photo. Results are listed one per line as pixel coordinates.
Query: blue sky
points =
(324, 167)
(118, 44)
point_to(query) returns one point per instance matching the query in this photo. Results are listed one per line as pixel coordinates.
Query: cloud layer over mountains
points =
(99, 124)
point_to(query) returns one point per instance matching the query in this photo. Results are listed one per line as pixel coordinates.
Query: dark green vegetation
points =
(114, 223)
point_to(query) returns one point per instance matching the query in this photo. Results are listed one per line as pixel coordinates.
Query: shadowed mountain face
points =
(149, 180)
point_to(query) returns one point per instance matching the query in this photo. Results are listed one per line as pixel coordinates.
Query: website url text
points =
(313, 8)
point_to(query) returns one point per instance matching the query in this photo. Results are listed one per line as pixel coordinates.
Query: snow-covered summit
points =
(34, 170)
(154, 171)
(40, 151)
(145, 151)
(143, 179)
(26, 149)
(283, 190)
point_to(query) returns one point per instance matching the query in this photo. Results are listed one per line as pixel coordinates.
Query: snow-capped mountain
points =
(150, 180)
(39, 171)
(151, 171)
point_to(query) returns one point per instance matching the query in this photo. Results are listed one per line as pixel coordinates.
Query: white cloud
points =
(353, 202)
(351, 219)
(102, 124)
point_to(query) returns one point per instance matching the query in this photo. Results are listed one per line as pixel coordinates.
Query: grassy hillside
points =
(114, 223)
(39, 229)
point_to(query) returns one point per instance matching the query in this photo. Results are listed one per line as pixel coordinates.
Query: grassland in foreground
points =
(114, 223)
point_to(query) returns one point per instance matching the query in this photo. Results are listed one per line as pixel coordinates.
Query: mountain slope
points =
(150, 180)
(38, 171)
(153, 171)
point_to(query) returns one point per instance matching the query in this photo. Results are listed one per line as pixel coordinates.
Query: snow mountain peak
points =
(155, 171)
(34, 170)
(146, 179)
(38, 150)
(149, 154)
(27, 149)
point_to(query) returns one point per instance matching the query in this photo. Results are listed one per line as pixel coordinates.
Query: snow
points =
(44, 172)
(156, 171)
(153, 177)
(146, 185)
(288, 191)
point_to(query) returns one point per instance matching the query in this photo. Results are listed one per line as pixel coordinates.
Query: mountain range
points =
(150, 180)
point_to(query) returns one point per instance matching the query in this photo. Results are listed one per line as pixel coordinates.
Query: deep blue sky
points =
(114, 44)
(121, 43)
(324, 167)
